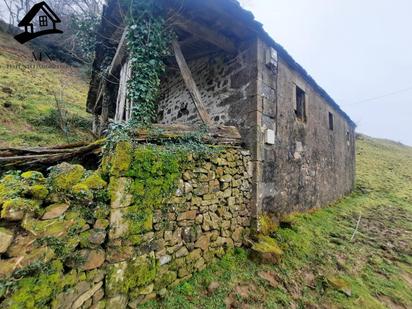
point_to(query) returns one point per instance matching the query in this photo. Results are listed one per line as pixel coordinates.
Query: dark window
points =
(43, 21)
(300, 104)
(331, 122)
(348, 137)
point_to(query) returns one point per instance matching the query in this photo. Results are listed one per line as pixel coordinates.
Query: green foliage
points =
(155, 170)
(123, 277)
(37, 291)
(64, 176)
(32, 105)
(52, 119)
(84, 28)
(58, 245)
(148, 41)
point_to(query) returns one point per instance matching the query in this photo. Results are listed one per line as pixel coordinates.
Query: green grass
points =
(28, 114)
(375, 269)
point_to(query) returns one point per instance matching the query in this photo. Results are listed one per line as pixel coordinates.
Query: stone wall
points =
(228, 86)
(144, 222)
(309, 165)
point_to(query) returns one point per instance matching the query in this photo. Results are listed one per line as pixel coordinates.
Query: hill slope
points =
(322, 267)
(28, 109)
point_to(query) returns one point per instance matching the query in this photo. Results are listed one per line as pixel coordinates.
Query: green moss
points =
(85, 189)
(33, 177)
(267, 225)
(121, 159)
(141, 271)
(64, 176)
(94, 182)
(165, 280)
(156, 171)
(82, 192)
(72, 221)
(124, 276)
(139, 220)
(10, 187)
(339, 284)
(267, 244)
(289, 219)
(19, 205)
(85, 239)
(38, 192)
(38, 291)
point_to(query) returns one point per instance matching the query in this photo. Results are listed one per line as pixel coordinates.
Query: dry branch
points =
(14, 158)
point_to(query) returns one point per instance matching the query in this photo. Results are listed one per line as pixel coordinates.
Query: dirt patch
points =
(270, 277)
(386, 227)
(387, 301)
(407, 277)
(245, 295)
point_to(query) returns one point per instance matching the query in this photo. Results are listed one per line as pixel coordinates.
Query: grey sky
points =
(355, 50)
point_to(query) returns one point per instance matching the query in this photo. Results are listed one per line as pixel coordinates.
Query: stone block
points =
(119, 191)
(182, 252)
(55, 211)
(6, 238)
(188, 215)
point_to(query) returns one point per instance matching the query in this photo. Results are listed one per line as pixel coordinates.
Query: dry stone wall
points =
(115, 237)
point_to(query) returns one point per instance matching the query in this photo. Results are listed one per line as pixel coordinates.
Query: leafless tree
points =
(16, 9)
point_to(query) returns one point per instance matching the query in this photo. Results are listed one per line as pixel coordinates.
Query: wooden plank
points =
(190, 84)
(116, 61)
(129, 104)
(120, 53)
(225, 135)
(122, 94)
(204, 33)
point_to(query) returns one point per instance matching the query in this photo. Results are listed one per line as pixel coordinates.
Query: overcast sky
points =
(356, 50)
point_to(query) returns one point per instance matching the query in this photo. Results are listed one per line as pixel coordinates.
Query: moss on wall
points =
(134, 228)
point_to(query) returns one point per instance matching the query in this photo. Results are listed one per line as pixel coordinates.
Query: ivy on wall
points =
(149, 44)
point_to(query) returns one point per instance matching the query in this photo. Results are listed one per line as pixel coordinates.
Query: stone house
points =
(302, 143)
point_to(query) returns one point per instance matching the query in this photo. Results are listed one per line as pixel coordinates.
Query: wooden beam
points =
(120, 53)
(116, 61)
(190, 84)
(204, 33)
(188, 41)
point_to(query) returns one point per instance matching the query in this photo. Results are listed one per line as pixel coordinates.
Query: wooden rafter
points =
(190, 84)
(116, 61)
(205, 33)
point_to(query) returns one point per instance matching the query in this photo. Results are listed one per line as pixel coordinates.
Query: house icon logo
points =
(40, 20)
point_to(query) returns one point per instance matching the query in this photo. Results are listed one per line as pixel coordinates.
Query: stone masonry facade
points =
(87, 239)
(308, 164)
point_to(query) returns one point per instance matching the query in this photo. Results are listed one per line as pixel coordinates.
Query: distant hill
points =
(41, 103)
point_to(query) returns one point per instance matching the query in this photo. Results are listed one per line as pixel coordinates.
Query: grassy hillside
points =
(28, 108)
(322, 267)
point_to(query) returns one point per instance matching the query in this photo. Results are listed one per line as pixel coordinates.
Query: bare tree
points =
(17, 9)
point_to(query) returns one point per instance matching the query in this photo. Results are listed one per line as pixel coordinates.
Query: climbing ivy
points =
(148, 42)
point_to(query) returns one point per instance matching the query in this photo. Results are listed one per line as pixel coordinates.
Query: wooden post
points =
(190, 84)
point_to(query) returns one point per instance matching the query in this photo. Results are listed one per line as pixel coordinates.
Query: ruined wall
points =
(228, 88)
(309, 165)
(228, 85)
(147, 220)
